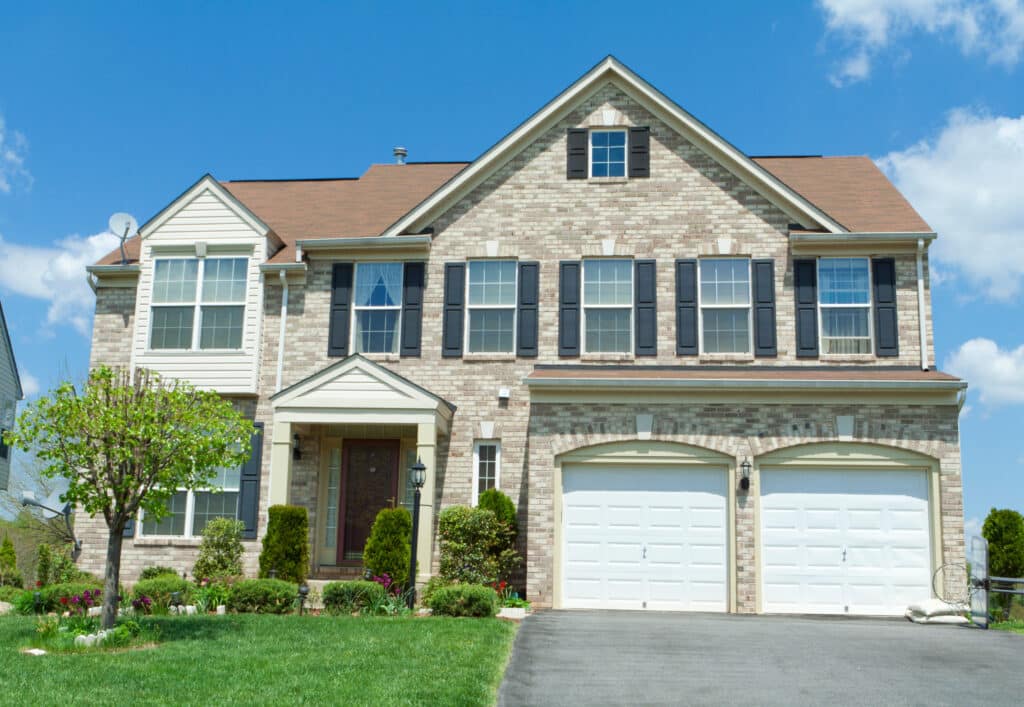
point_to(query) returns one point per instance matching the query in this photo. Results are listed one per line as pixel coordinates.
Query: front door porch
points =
(343, 442)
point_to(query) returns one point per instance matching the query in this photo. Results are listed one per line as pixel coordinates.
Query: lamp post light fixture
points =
(37, 600)
(418, 476)
(745, 475)
(29, 499)
(303, 595)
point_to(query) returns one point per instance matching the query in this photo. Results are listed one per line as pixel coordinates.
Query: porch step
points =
(338, 573)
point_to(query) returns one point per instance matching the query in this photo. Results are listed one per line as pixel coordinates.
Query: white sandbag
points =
(934, 607)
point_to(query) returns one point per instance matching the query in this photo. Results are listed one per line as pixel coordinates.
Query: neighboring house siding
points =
(9, 388)
(206, 219)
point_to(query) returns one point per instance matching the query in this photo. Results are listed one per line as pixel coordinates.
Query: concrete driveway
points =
(639, 658)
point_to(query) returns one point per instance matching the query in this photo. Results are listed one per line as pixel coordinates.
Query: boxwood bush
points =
(475, 547)
(51, 595)
(464, 600)
(157, 571)
(347, 597)
(286, 544)
(159, 589)
(263, 596)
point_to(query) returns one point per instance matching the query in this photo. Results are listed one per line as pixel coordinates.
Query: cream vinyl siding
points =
(206, 219)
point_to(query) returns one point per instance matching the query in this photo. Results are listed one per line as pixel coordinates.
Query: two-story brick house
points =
(705, 379)
(10, 393)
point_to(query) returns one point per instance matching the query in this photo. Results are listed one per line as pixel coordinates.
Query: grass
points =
(1012, 626)
(250, 659)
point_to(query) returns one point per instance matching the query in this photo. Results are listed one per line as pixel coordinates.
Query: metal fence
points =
(983, 586)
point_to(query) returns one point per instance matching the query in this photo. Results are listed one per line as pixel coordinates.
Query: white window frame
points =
(749, 306)
(590, 152)
(870, 306)
(190, 507)
(353, 337)
(631, 306)
(514, 306)
(496, 443)
(196, 304)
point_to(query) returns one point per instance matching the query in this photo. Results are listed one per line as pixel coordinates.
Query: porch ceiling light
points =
(419, 473)
(745, 474)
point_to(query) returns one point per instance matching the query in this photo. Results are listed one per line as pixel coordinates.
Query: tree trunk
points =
(112, 574)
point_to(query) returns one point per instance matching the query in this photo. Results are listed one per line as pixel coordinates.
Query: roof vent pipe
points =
(400, 154)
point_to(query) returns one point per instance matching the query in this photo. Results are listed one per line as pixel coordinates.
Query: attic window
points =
(608, 153)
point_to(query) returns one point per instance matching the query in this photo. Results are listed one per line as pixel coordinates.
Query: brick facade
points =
(689, 207)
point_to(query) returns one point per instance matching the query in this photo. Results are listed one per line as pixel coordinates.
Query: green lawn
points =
(271, 659)
(1013, 626)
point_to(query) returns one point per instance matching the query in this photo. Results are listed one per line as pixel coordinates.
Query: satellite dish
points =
(124, 226)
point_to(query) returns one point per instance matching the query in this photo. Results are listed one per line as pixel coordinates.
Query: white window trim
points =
(190, 507)
(590, 152)
(197, 306)
(353, 338)
(514, 306)
(476, 466)
(749, 306)
(870, 306)
(631, 307)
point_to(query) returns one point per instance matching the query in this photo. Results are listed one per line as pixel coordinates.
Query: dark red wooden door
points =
(370, 483)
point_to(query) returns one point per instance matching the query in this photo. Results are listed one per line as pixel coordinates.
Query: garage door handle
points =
(643, 555)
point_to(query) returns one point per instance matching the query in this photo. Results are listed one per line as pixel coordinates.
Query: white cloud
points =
(996, 374)
(13, 148)
(966, 183)
(56, 274)
(992, 28)
(29, 383)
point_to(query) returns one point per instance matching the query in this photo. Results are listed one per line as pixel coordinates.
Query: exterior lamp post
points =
(28, 498)
(745, 475)
(418, 475)
(303, 594)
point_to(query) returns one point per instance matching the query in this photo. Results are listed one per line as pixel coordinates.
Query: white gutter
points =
(921, 322)
(743, 384)
(861, 237)
(362, 243)
(284, 322)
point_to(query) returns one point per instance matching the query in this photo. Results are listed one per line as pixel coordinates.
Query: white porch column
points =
(426, 444)
(280, 464)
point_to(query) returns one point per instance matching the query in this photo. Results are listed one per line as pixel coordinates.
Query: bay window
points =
(210, 291)
(844, 302)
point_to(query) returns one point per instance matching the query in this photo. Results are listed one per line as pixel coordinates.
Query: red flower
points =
(39, 583)
(64, 600)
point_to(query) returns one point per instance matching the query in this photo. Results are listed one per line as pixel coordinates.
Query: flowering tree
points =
(126, 443)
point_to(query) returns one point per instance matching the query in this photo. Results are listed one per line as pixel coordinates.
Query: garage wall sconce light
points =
(745, 475)
(296, 448)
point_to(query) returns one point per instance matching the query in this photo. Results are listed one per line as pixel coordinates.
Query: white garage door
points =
(844, 542)
(644, 538)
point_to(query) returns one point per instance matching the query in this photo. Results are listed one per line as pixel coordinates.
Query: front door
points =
(369, 483)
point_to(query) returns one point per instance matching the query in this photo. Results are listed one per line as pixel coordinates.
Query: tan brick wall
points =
(533, 212)
(112, 327)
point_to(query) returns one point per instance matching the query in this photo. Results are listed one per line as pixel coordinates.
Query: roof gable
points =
(613, 71)
(5, 342)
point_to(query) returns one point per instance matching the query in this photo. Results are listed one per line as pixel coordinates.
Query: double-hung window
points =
(608, 306)
(725, 305)
(190, 511)
(844, 301)
(486, 467)
(210, 291)
(491, 304)
(607, 153)
(377, 307)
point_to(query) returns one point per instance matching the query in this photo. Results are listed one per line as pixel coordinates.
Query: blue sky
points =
(121, 107)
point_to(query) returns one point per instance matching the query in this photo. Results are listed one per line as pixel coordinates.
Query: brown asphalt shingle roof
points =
(851, 190)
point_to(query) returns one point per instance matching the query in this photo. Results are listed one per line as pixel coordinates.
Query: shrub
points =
(51, 595)
(9, 574)
(286, 544)
(157, 571)
(1004, 530)
(10, 594)
(433, 584)
(464, 600)
(263, 596)
(44, 565)
(64, 571)
(346, 597)
(220, 554)
(211, 593)
(474, 546)
(159, 589)
(387, 549)
(503, 508)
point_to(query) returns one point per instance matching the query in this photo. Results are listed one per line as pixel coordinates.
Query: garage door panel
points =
(862, 542)
(661, 537)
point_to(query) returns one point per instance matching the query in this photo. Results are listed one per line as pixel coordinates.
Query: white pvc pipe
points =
(922, 323)
(284, 321)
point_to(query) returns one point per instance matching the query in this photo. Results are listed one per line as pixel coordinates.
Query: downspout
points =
(922, 323)
(284, 323)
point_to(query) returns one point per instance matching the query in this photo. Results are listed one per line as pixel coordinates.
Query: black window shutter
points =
(454, 309)
(569, 308)
(640, 152)
(341, 305)
(686, 307)
(886, 323)
(805, 287)
(646, 308)
(764, 307)
(249, 485)
(576, 154)
(129, 529)
(412, 308)
(526, 339)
